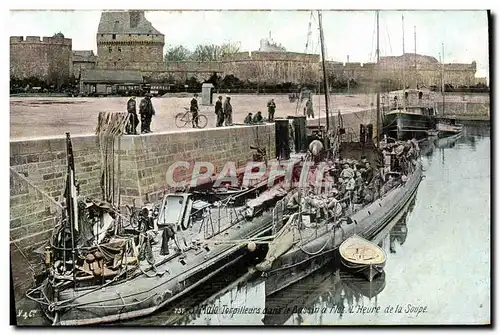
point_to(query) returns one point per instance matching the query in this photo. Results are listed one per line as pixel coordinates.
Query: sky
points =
(463, 33)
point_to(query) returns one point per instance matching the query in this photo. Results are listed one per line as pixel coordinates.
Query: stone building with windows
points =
(83, 60)
(126, 40)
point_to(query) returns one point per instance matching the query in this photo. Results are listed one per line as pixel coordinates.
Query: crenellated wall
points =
(275, 68)
(143, 51)
(46, 58)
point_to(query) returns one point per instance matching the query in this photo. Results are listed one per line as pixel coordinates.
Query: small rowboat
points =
(362, 256)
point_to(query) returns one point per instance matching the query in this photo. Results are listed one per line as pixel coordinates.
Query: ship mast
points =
(71, 202)
(325, 80)
(442, 75)
(378, 81)
(415, 54)
(404, 63)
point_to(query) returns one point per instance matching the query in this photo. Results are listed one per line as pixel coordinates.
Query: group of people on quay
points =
(355, 184)
(146, 111)
(223, 112)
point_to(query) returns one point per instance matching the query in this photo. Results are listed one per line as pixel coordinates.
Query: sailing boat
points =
(309, 239)
(410, 115)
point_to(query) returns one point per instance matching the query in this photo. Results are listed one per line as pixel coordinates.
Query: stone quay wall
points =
(464, 110)
(38, 172)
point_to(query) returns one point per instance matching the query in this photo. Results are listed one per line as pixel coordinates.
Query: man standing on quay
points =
(271, 108)
(194, 111)
(228, 112)
(133, 119)
(219, 112)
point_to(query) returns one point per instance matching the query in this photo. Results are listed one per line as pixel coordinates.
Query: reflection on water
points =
(328, 291)
(332, 291)
(426, 264)
(399, 232)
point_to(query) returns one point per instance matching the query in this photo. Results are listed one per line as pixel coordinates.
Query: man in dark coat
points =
(147, 111)
(308, 110)
(133, 119)
(368, 173)
(167, 235)
(258, 118)
(219, 112)
(248, 119)
(194, 111)
(271, 108)
(228, 112)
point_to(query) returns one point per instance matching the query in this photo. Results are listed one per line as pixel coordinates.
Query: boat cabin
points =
(179, 209)
(418, 101)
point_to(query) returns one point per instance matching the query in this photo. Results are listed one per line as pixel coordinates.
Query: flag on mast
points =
(71, 193)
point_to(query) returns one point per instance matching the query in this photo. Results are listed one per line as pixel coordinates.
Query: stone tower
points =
(126, 40)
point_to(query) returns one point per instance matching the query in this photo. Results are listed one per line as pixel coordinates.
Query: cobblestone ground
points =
(37, 116)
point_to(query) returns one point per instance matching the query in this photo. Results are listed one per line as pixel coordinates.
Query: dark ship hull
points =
(371, 221)
(147, 293)
(404, 126)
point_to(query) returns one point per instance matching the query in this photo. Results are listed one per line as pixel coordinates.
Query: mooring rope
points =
(24, 256)
(110, 126)
(30, 183)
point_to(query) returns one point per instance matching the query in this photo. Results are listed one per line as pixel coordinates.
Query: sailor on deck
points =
(334, 207)
(167, 235)
(347, 172)
(293, 202)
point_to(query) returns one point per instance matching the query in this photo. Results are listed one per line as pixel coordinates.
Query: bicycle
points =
(183, 119)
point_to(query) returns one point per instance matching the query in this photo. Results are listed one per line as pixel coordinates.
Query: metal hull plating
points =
(403, 125)
(372, 220)
(146, 293)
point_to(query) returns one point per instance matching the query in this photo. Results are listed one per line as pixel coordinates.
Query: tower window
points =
(114, 36)
(119, 49)
(114, 63)
(135, 17)
(110, 49)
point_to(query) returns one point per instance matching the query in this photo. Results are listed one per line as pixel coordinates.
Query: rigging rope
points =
(388, 37)
(37, 188)
(309, 32)
(24, 256)
(110, 126)
(373, 49)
